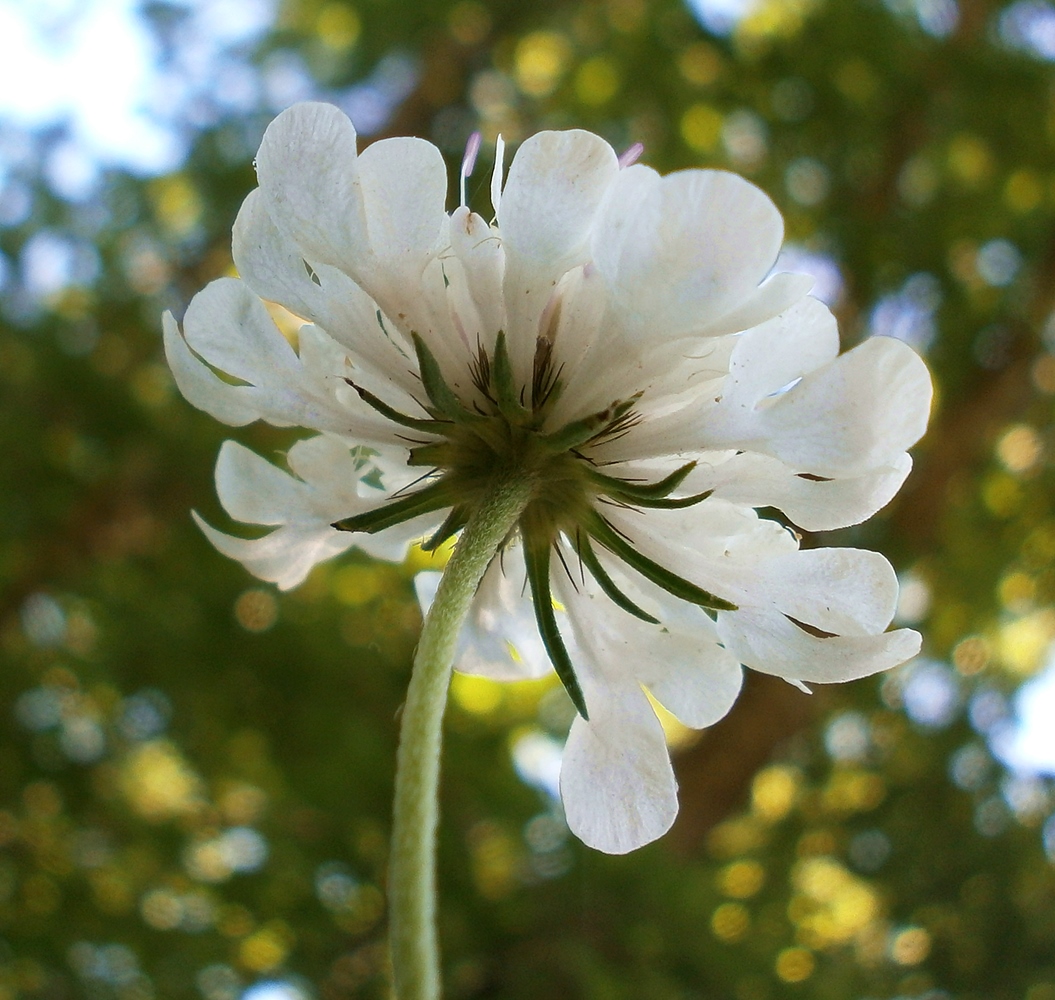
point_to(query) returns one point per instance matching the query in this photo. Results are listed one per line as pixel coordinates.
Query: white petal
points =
(845, 591)
(404, 185)
(230, 328)
(812, 504)
(310, 182)
(284, 557)
(766, 641)
(776, 294)
(479, 248)
(269, 262)
(501, 639)
(556, 183)
(680, 660)
(772, 355)
(200, 385)
(681, 251)
(616, 781)
(272, 266)
(854, 415)
(254, 491)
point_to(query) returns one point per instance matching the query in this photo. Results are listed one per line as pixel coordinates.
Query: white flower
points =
(615, 336)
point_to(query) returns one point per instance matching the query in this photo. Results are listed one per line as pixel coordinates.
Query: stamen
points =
(632, 155)
(472, 147)
(496, 175)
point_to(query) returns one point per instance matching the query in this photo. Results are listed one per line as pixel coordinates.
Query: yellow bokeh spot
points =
(795, 965)
(540, 61)
(1017, 591)
(1001, 494)
(356, 585)
(476, 695)
(853, 791)
(772, 19)
(162, 909)
(701, 128)
(971, 655)
(496, 859)
(256, 610)
(1023, 642)
(158, 783)
(597, 81)
(736, 836)
(730, 922)
(969, 159)
(265, 949)
(177, 204)
(832, 906)
(911, 946)
(338, 26)
(1023, 192)
(741, 879)
(700, 64)
(1020, 448)
(774, 791)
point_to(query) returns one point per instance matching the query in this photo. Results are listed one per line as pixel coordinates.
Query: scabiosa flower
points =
(615, 340)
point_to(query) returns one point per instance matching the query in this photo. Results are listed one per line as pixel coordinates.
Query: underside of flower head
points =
(616, 339)
(470, 450)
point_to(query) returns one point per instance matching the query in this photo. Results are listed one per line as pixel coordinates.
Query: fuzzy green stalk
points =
(412, 866)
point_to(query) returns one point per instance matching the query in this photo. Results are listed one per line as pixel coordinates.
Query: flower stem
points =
(412, 878)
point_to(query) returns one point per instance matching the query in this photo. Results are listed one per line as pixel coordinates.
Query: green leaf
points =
(670, 582)
(537, 556)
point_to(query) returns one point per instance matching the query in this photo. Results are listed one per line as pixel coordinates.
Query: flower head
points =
(616, 339)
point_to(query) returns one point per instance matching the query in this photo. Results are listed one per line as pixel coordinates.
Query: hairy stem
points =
(412, 877)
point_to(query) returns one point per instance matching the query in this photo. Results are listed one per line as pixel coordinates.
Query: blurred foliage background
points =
(196, 771)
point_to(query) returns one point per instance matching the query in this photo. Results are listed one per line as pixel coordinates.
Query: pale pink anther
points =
(472, 147)
(632, 155)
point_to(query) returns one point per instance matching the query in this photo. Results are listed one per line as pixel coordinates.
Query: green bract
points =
(473, 449)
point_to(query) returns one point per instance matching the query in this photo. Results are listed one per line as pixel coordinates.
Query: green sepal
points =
(433, 497)
(536, 556)
(457, 519)
(578, 432)
(505, 388)
(605, 582)
(663, 503)
(642, 491)
(439, 393)
(425, 426)
(661, 577)
(434, 456)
